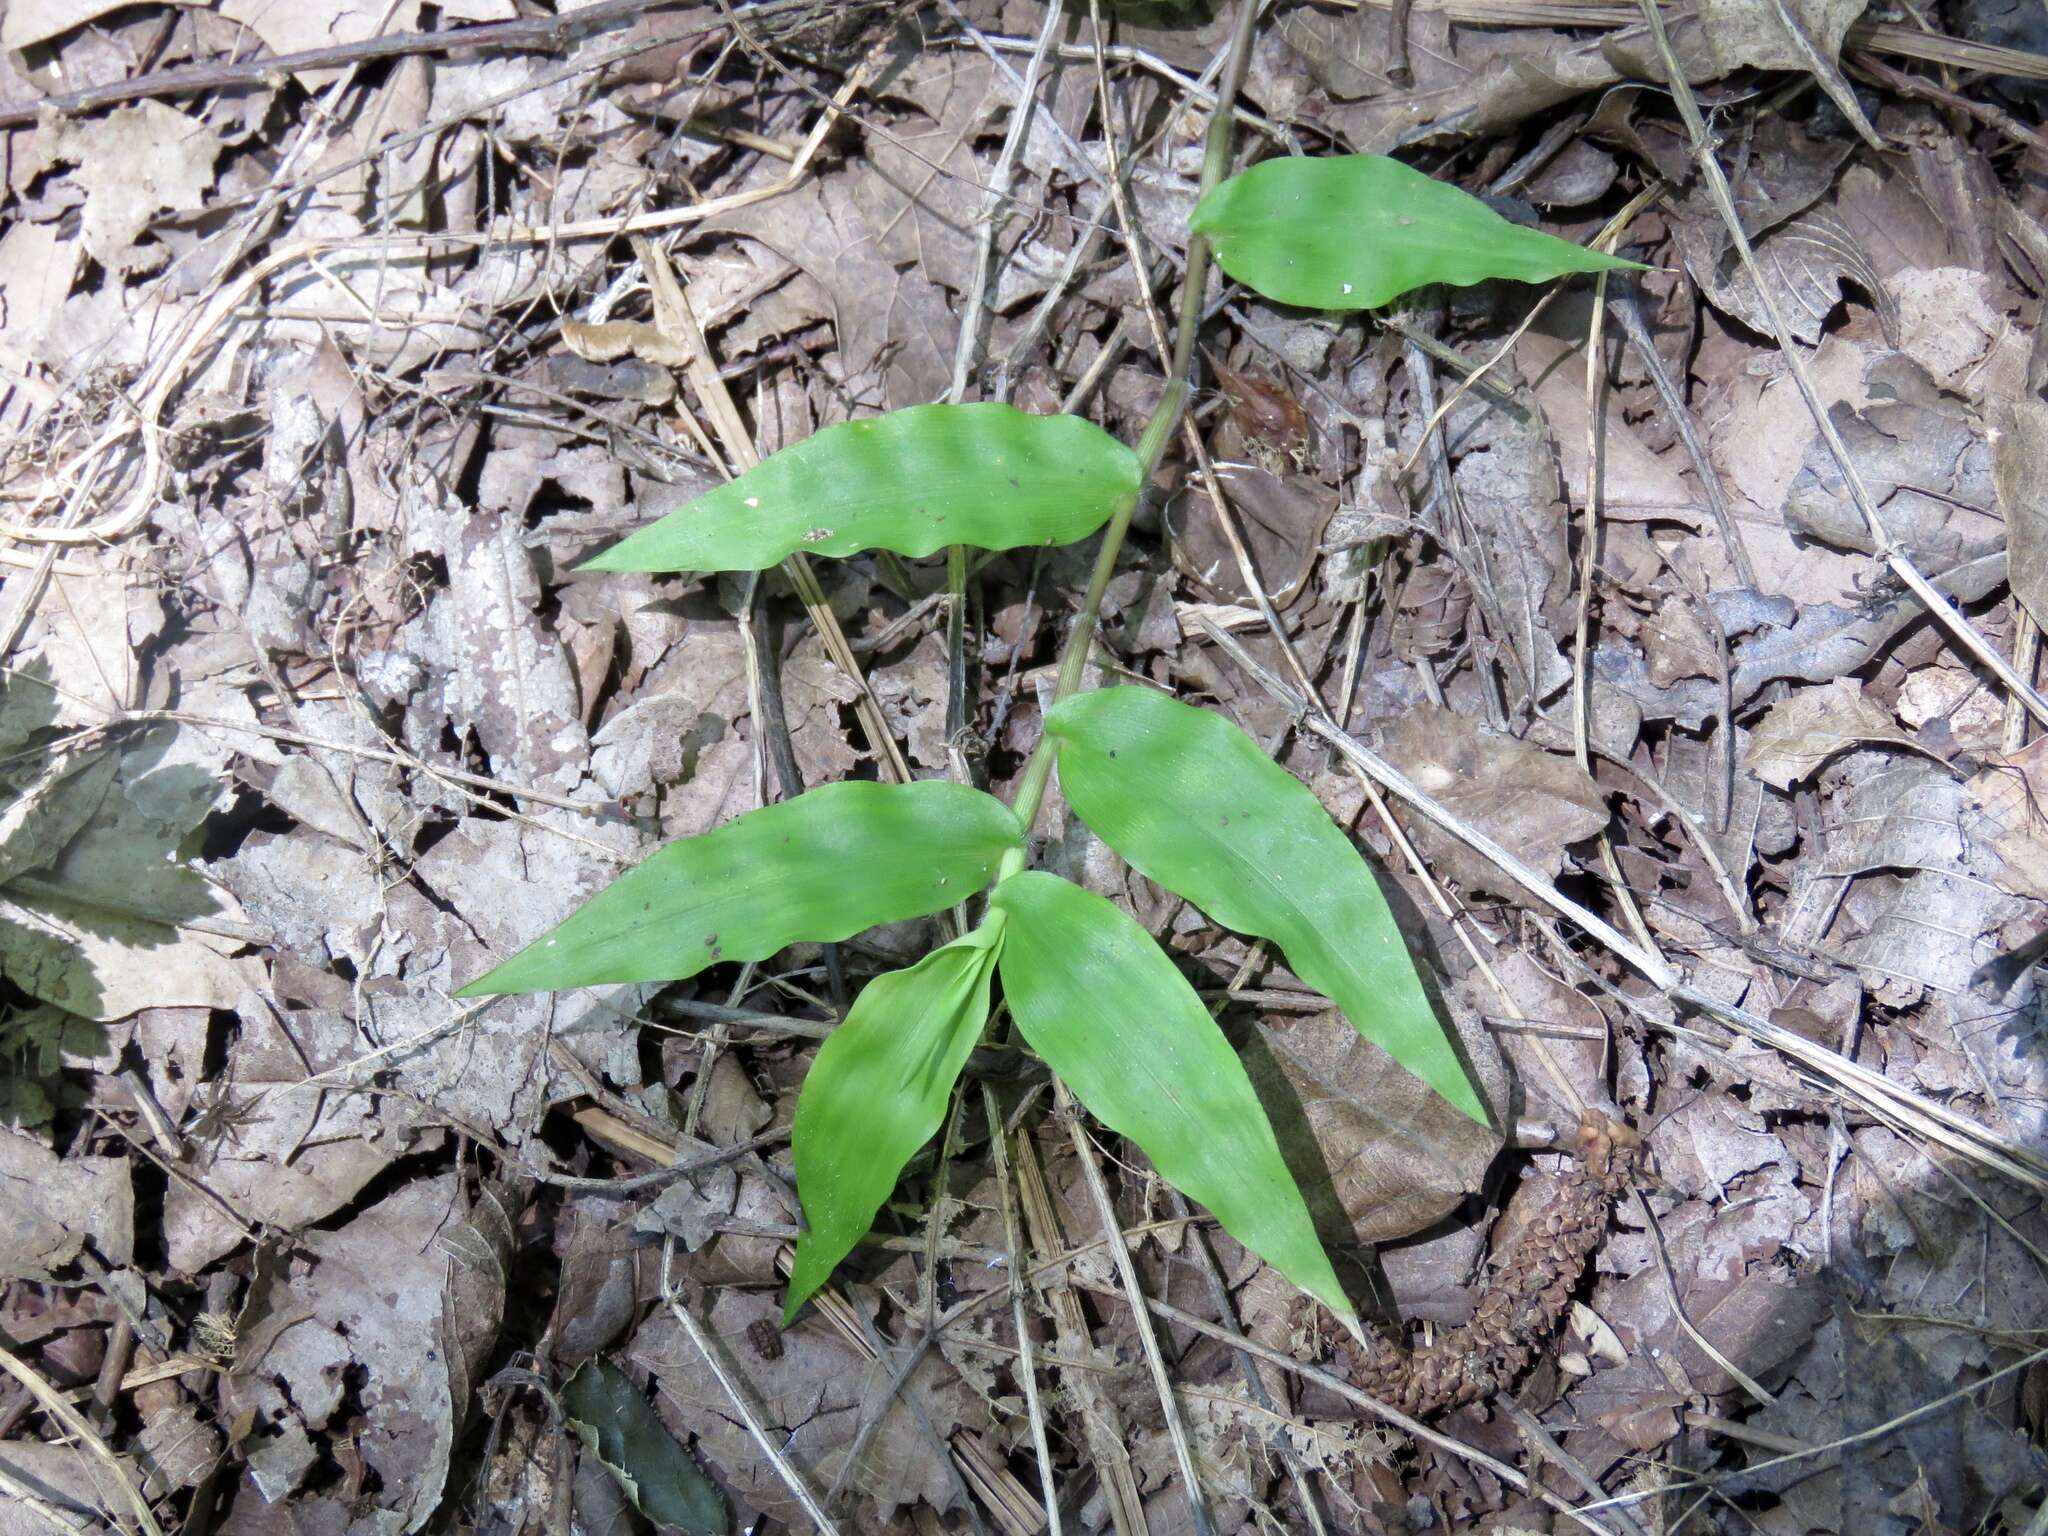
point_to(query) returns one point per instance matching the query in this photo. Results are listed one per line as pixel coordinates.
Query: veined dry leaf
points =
(1786, 34)
(51, 1207)
(1803, 731)
(134, 162)
(283, 1157)
(1802, 262)
(1634, 482)
(296, 28)
(811, 1397)
(375, 1294)
(1379, 1155)
(27, 22)
(2011, 793)
(2019, 472)
(1534, 803)
(1677, 643)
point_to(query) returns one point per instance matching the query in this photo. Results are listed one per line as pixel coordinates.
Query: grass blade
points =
(815, 869)
(878, 1091)
(1107, 1010)
(1358, 231)
(912, 481)
(1193, 803)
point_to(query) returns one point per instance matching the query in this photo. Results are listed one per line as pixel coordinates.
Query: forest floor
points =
(335, 335)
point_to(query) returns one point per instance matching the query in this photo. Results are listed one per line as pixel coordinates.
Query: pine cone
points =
(1526, 1298)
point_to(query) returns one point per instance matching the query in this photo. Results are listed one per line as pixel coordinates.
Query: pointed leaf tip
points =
(878, 1091)
(815, 869)
(1108, 1011)
(1193, 802)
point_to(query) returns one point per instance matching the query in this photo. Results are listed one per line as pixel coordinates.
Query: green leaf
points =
(1191, 802)
(912, 481)
(877, 1092)
(1358, 231)
(814, 869)
(1109, 1013)
(621, 1429)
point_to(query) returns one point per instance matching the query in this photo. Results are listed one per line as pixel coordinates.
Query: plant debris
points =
(337, 341)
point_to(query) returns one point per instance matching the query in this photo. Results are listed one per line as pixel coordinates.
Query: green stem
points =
(1074, 660)
(1158, 433)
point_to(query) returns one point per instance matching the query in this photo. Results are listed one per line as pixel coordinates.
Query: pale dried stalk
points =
(1027, 1368)
(1134, 1295)
(1100, 1423)
(75, 1424)
(1589, 559)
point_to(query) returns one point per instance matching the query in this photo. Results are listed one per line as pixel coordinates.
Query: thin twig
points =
(2002, 1154)
(672, 1297)
(75, 1424)
(1384, 1412)
(1027, 1369)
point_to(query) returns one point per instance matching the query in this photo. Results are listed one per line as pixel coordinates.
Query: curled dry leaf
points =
(1803, 731)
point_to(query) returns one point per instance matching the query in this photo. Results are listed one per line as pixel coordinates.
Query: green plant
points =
(1185, 796)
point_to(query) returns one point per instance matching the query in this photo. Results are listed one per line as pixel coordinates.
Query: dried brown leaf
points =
(1534, 803)
(1803, 731)
(50, 1207)
(2019, 471)
(1380, 1155)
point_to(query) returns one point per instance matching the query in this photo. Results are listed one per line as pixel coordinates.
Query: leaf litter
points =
(320, 386)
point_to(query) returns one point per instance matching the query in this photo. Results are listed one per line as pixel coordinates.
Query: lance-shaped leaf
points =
(1191, 802)
(1109, 1013)
(621, 1429)
(815, 869)
(912, 481)
(877, 1092)
(1358, 231)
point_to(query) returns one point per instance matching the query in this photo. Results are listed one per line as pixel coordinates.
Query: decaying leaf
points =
(2010, 791)
(134, 162)
(811, 1399)
(2019, 471)
(371, 1305)
(618, 1427)
(1803, 731)
(1380, 1156)
(1534, 803)
(51, 1207)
